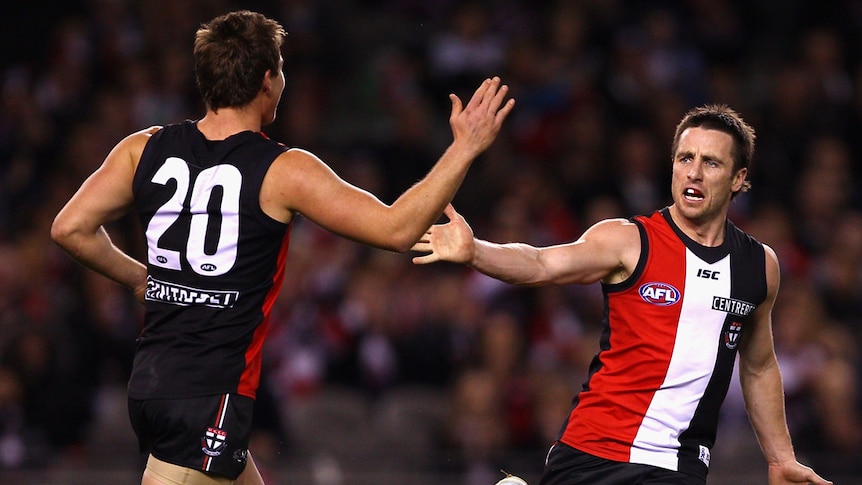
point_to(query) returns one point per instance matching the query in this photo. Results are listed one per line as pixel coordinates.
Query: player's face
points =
(703, 175)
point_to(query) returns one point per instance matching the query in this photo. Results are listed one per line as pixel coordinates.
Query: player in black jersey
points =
(215, 198)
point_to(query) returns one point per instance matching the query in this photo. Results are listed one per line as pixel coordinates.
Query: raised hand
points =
(478, 123)
(452, 241)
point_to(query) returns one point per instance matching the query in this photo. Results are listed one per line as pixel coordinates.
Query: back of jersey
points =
(215, 262)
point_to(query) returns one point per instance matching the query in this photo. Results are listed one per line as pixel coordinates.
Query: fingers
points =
(481, 119)
(490, 94)
(820, 480)
(449, 212)
(425, 238)
(422, 247)
(504, 112)
(479, 96)
(453, 216)
(492, 89)
(457, 107)
(496, 95)
(493, 94)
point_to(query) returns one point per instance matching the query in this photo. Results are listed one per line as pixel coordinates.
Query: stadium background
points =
(380, 372)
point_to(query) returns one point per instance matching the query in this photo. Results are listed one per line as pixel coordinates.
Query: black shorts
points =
(568, 466)
(206, 433)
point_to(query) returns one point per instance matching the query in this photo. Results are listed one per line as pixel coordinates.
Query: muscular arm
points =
(105, 196)
(299, 182)
(763, 390)
(599, 254)
(607, 251)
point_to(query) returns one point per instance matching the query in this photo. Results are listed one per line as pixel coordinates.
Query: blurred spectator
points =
(466, 50)
(824, 191)
(771, 224)
(474, 428)
(642, 184)
(819, 363)
(837, 272)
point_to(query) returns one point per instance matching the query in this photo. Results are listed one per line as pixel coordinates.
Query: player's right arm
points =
(608, 251)
(105, 196)
(299, 182)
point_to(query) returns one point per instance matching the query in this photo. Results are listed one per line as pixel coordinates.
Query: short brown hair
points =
(232, 53)
(722, 118)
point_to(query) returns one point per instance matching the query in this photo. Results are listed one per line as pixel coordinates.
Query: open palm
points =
(792, 472)
(451, 241)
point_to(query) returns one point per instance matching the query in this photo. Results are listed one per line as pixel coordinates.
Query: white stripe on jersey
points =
(223, 410)
(691, 365)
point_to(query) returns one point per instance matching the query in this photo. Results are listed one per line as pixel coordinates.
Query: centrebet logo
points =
(214, 441)
(174, 294)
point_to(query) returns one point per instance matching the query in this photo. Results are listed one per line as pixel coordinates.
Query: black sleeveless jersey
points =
(215, 263)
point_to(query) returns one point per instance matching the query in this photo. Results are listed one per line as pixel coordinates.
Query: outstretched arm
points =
(104, 197)
(607, 251)
(300, 182)
(763, 391)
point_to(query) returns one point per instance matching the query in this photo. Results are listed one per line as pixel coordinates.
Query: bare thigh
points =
(251, 475)
(159, 472)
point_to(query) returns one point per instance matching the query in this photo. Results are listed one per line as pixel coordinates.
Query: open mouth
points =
(692, 194)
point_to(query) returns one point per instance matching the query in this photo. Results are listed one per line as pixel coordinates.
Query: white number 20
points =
(229, 178)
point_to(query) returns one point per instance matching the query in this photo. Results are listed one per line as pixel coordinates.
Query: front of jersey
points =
(669, 342)
(215, 263)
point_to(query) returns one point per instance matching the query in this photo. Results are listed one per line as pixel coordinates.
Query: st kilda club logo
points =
(731, 335)
(214, 441)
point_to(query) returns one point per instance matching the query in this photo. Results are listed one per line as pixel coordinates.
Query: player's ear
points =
(266, 84)
(739, 179)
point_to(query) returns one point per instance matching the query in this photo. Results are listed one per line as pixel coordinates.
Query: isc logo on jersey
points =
(661, 294)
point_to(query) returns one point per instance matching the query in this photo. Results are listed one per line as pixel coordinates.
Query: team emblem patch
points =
(661, 294)
(731, 335)
(214, 441)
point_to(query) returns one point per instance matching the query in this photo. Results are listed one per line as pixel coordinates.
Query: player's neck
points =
(708, 232)
(219, 125)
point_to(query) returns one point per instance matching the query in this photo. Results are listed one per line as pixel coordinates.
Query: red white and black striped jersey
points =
(669, 341)
(215, 263)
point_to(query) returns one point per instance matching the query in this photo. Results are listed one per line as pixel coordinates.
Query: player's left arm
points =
(763, 389)
(105, 196)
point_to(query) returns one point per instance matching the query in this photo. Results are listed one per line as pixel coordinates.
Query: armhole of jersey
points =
(138, 178)
(760, 256)
(642, 261)
(261, 173)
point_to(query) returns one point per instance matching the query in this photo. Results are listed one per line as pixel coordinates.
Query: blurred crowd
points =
(600, 85)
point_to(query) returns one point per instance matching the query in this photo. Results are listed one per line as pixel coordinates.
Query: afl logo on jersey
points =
(661, 294)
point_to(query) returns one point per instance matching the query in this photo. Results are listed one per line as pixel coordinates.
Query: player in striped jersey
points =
(685, 292)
